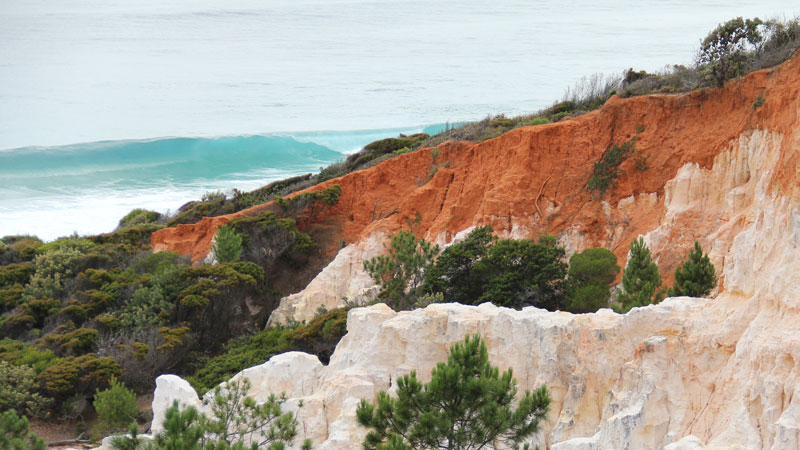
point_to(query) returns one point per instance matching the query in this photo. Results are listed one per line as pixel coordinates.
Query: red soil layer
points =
(510, 179)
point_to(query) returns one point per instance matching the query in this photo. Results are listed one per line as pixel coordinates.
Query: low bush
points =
(116, 407)
(78, 375)
(139, 216)
(18, 390)
(22, 354)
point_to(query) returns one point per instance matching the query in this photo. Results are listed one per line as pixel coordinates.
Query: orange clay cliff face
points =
(699, 153)
(721, 373)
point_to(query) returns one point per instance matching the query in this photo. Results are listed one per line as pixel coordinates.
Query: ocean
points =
(110, 105)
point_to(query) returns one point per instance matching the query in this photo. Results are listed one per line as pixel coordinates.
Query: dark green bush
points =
(240, 353)
(513, 273)
(18, 390)
(591, 272)
(640, 280)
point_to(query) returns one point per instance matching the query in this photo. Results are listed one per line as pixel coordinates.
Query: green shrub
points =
(18, 390)
(72, 375)
(590, 274)
(695, 277)
(71, 340)
(321, 334)
(12, 274)
(115, 406)
(606, 170)
(512, 273)
(236, 420)
(19, 353)
(400, 273)
(758, 102)
(467, 404)
(240, 353)
(539, 121)
(640, 280)
(15, 433)
(139, 216)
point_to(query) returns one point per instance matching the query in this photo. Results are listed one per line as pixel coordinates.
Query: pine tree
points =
(227, 245)
(696, 276)
(466, 405)
(640, 280)
(400, 273)
(15, 433)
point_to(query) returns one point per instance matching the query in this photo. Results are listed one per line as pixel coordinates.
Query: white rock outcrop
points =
(684, 374)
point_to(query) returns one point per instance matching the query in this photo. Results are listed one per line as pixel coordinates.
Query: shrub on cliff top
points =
(466, 405)
(591, 272)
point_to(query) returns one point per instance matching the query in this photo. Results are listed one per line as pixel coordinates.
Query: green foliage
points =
(240, 353)
(138, 217)
(590, 274)
(758, 102)
(115, 406)
(12, 274)
(236, 420)
(513, 273)
(606, 170)
(724, 52)
(227, 245)
(71, 340)
(16, 249)
(466, 405)
(455, 273)
(400, 274)
(320, 335)
(520, 273)
(15, 433)
(18, 390)
(21, 354)
(640, 280)
(695, 277)
(78, 375)
(147, 308)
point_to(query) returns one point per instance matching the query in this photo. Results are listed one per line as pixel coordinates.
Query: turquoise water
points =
(86, 188)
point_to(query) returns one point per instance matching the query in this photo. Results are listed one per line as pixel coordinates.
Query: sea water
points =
(242, 85)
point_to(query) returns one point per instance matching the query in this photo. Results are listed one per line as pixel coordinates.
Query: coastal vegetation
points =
(80, 316)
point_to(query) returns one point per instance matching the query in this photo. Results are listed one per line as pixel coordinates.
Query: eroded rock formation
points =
(684, 374)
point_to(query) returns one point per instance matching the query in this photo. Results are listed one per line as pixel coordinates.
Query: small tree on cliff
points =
(400, 273)
(466, 405)
(591, 273)
(227, 245)
(696, 276)
(723, 53)
(641, 279)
